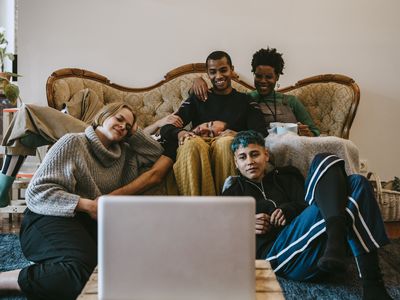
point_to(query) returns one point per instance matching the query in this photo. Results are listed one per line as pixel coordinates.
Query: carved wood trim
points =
(186, 69)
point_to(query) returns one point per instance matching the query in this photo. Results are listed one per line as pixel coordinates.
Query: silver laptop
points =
(176, 248)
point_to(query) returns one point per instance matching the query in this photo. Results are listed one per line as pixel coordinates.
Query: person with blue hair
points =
(306, 229)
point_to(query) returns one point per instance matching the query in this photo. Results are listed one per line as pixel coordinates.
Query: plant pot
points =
(7, 88)
(5, 75)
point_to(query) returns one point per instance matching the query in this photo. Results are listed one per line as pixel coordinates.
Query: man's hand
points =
(170, 119)
(304, 130)
(278, 218)
(200, 88)
(185, 135)
(262, 223)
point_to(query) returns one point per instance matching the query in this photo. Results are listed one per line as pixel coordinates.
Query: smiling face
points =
(252, 161)
(220, 73)
(265, 79)
(210, 129)
(116, 127)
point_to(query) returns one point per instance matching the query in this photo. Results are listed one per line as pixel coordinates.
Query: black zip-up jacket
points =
(283, 188)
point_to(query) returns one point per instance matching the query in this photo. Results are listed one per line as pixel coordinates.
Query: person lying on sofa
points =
(59, 228)
(203, 164)
(35, 126)
(306, 230)
(267, 66)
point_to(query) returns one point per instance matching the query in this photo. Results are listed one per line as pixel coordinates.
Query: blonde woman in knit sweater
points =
(58, 232)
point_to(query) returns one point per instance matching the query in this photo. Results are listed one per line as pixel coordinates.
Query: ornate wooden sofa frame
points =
(331, 99)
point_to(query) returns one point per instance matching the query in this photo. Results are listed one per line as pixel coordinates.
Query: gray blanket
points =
(292, 150)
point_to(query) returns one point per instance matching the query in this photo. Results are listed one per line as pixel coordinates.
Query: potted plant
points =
(8, 89)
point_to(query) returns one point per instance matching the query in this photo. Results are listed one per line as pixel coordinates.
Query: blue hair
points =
(244, 138)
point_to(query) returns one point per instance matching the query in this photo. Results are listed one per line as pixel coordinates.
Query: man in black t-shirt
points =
(203, 163)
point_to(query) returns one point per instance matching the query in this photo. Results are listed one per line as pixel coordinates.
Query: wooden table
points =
(267, 286)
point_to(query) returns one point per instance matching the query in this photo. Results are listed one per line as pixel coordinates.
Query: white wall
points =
(134, 43)
(7, 20)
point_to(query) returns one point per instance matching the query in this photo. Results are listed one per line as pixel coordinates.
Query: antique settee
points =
(331, 99)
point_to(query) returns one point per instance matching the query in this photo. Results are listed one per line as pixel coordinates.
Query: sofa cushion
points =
(329, 105)
(84, 105)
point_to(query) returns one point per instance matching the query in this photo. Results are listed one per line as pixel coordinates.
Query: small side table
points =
(267, 286)
(6, 114)
(18, 204)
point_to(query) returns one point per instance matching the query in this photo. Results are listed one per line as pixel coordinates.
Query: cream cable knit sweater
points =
(78, 165)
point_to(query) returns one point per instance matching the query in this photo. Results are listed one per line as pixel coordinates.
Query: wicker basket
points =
(388, 200)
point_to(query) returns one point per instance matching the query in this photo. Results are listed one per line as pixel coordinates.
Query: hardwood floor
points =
(393, 229)
(10, 226)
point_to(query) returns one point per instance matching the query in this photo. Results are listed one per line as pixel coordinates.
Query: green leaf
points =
(13, 74)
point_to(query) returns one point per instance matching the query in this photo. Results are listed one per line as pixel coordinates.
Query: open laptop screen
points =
(173, 247)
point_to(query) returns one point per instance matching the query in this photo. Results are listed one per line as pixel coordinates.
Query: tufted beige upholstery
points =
(332, 100)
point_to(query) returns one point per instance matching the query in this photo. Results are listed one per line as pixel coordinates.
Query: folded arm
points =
(147, 179)
(148, 150)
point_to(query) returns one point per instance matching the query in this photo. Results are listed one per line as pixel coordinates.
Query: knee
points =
(319, 158)
(193, 144)
(77, 275)
(335, 177)
(329, 162)
(223, 143)
(34, 141)
(193, 148)
(63, 280)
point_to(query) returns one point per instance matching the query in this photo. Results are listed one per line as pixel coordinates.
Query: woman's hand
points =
(262, 223)
(278, 218)
(170, 119)
(304, 130)
(184, 136)
(200, 88)
(88, 206)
